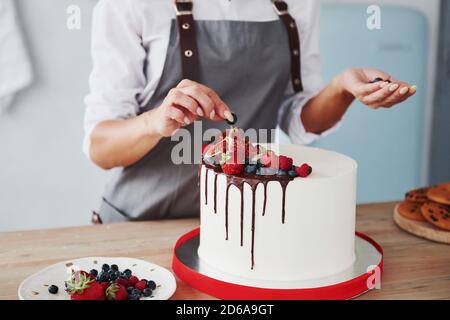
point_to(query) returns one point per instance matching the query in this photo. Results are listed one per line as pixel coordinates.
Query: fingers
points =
(175, 114)
(179, 98)
(188, 117)
(376, 99)
(367, 89)
(403, 92)
(389, 95)
(204, 102)
(213, 107)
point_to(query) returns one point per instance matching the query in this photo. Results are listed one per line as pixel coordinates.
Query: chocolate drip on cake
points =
(206, 187)
(265, 198)
(283, 206)
(215, 192)
(253, 224)
(253, 181)
(226, 211)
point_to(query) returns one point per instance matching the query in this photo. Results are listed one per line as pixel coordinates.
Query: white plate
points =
(36, 286)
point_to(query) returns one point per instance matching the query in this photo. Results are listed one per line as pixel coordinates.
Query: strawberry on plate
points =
(82, 287)
(116, 292)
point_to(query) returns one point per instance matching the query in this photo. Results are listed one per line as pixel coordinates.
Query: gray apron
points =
(248, 65)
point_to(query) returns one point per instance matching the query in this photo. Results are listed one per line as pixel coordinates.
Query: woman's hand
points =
(382, 94)
(184, 105)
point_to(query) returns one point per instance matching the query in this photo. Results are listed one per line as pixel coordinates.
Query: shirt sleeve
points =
(117, 78)
(289, 115)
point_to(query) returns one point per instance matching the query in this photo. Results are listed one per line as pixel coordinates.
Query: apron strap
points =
(188, 39)
(281, 8)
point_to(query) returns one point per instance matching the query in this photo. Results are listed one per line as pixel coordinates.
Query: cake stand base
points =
(361, 277)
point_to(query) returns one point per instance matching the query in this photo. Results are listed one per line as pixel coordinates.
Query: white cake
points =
(318, 234)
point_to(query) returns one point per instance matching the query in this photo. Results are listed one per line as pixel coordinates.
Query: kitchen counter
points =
(413, 268)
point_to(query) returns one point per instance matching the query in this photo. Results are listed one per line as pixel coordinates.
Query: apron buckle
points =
(280, 7)
(183, 7)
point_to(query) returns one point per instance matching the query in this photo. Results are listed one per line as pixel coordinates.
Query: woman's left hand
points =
(381, 94)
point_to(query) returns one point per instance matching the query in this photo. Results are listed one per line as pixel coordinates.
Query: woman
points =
(257, 57)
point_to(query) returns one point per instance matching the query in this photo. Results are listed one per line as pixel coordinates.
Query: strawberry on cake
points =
(276, 212)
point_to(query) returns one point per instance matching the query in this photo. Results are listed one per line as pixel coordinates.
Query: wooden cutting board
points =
(421, 229)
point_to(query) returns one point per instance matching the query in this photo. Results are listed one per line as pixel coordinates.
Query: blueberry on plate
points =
(53, 289)
(127, 273)
(130, 290)
(151, 284)
(93, 272)
(133, 297)
(114, 267)
(136, 292)
(105, 267)
(147, 292)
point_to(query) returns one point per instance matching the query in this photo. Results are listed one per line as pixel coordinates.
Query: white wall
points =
(45, 180)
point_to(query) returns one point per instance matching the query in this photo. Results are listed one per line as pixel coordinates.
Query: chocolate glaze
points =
(206, 187)
(253, 181)
(215, 193)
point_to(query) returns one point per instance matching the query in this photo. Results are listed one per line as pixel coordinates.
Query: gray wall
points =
(440, 143)
(45, 180)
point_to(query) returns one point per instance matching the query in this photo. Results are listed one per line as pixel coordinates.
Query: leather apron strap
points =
(188, 40)
(281, 8)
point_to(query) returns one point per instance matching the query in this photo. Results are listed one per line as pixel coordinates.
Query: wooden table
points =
(414, 268)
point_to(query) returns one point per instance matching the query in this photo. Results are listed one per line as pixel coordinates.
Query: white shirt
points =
(127, 34)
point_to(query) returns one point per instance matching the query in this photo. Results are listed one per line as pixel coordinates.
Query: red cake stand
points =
(360, 278)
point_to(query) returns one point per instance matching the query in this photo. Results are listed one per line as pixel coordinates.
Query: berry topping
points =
(233, 168)
(292, 173)
(114, 267)
(204, 147)
(266, 172)
(282, 173)
(304, 170)
(251, 168)
(105, 267)
(53, 289)
(285, 163)
(270, 160)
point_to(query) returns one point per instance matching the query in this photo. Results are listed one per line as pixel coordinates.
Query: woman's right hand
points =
(184, 105)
